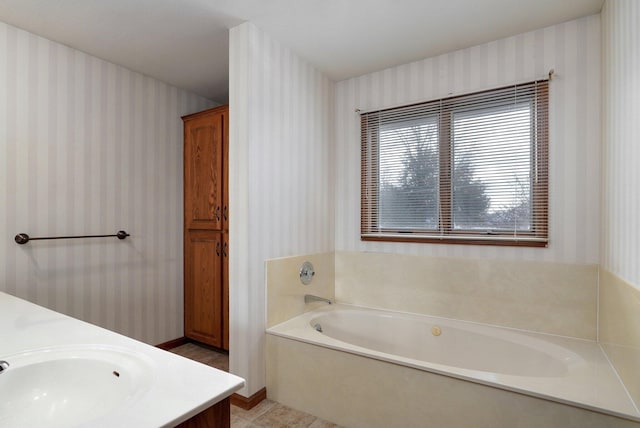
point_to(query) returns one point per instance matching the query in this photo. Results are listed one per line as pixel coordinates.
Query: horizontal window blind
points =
(465, 169)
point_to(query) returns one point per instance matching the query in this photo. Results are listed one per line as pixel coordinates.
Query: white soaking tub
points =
(565, 370)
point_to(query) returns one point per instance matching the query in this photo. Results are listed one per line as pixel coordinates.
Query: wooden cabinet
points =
(206, 230)
(216, 416)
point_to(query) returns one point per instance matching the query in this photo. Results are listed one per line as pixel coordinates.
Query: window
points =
(471, 169)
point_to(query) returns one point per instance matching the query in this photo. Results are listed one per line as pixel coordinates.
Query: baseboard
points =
(250, 402)
(173, 343)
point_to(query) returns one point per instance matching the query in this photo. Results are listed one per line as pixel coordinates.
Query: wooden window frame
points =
(445, 233)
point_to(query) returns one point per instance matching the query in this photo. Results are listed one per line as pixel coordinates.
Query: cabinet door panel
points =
(225, 290)
(203, 287)
(225, 172)
(203, 172)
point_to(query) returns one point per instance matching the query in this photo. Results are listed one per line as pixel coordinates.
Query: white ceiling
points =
(185, 42)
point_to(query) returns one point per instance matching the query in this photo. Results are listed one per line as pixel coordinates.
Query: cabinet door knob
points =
(224, 213)
(224, 249)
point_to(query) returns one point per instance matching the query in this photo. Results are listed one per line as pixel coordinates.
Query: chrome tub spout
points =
(308, 298)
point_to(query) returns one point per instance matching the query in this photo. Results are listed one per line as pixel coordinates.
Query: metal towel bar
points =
(23, 238)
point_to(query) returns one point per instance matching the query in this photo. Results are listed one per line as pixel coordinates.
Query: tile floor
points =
(267, 414)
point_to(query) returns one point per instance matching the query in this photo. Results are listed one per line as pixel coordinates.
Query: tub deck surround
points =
(547, 297)
(620, 328)
(565, 370)
(164, 389)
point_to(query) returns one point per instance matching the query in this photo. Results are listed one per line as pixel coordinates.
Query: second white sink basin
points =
(70, 386)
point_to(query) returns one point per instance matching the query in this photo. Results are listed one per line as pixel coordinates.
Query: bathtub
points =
(439, 363)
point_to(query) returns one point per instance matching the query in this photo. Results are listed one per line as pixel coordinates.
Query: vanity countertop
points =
(173, 390)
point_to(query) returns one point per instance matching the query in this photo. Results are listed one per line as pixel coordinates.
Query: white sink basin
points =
(70, 386)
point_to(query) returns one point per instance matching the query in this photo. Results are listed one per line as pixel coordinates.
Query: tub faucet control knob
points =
(3, 366)
(306, 273)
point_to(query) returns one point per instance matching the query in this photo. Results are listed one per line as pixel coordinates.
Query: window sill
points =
(460, 240)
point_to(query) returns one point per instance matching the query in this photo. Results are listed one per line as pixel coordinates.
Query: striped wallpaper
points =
(281, 179)
(621, 123)
(88, 147)
(573, 50)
